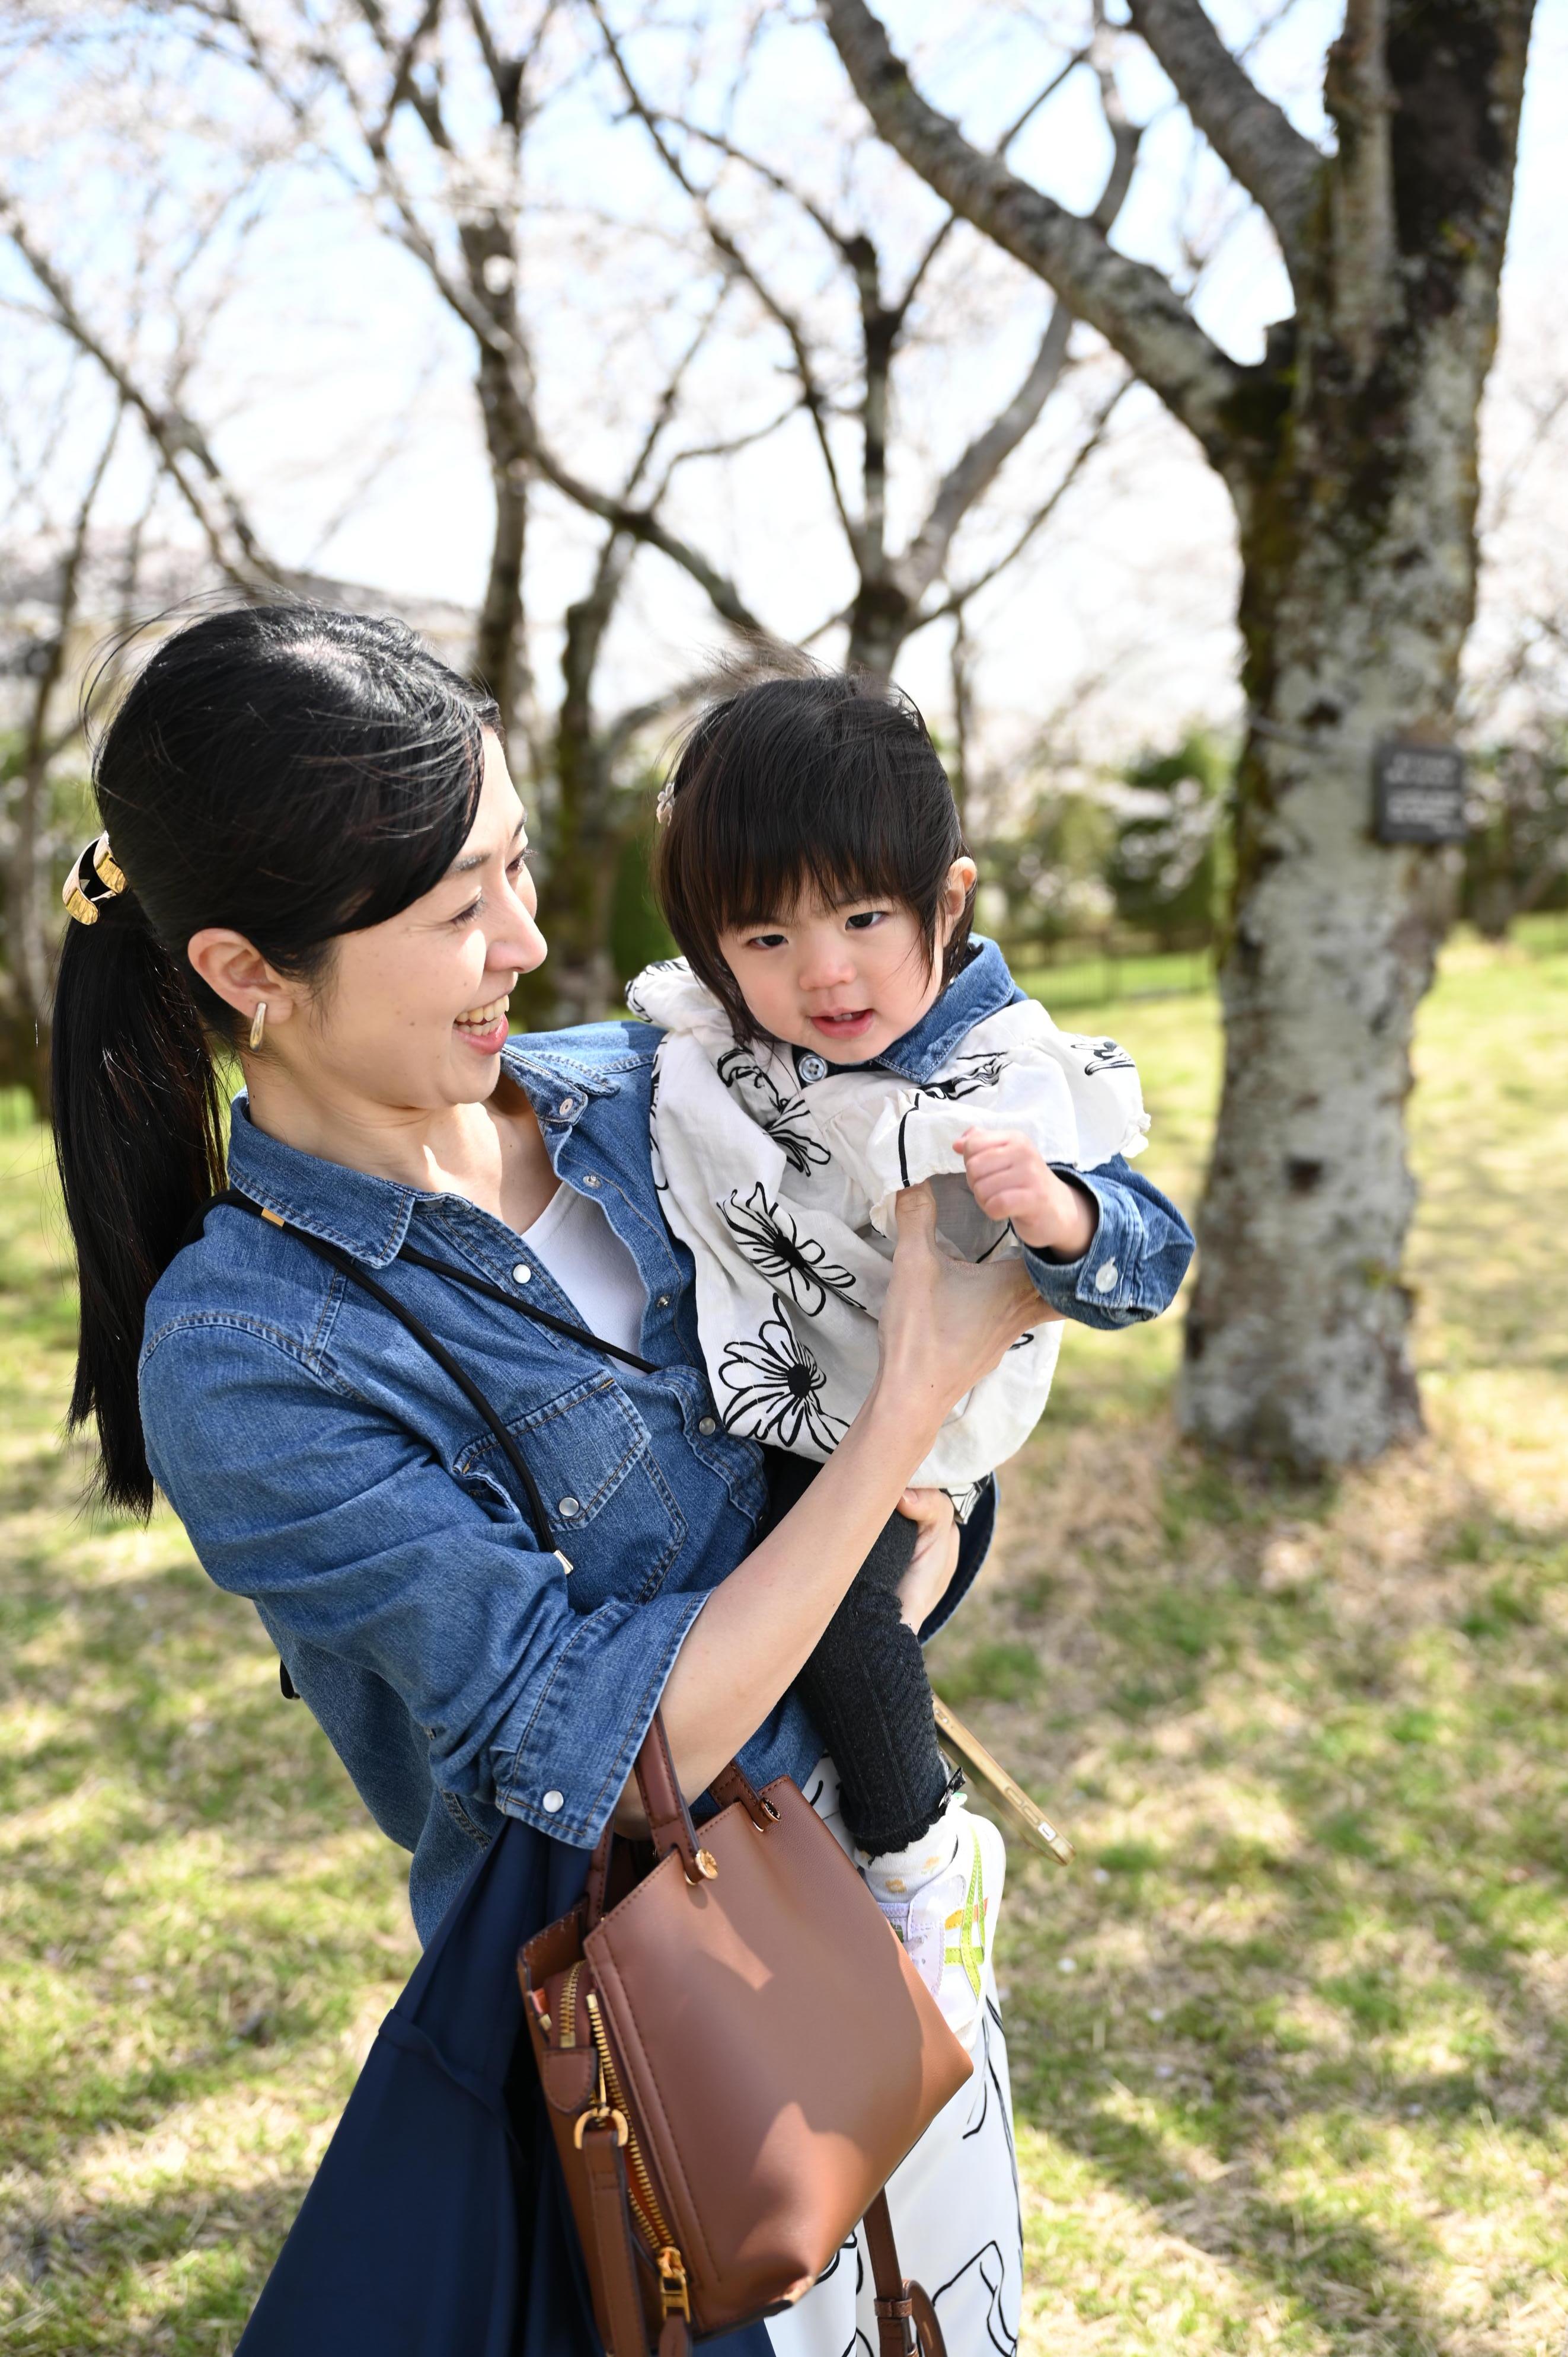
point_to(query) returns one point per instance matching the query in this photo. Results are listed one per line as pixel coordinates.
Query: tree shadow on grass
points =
(1266, 1996)
(177, 2274)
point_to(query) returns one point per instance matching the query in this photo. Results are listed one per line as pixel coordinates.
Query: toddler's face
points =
(845, 981)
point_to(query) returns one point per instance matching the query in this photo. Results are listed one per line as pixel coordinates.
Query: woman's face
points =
(411, 1015)
(414, 1011)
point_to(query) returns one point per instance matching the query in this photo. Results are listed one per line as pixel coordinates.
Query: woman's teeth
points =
(483, 1018)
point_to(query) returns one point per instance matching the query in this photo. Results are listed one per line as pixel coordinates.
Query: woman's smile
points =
(484, 1027)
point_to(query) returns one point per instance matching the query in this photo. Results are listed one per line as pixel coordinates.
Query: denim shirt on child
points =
(1142, 1245)
(326, 1467)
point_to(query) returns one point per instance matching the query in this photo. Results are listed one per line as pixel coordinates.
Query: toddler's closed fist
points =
(1011, 1179)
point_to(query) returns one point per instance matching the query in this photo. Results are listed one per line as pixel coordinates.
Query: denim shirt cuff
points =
(571, 1766)
(1102, 1287)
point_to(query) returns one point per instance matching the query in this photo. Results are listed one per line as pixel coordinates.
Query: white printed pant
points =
(954, 2204)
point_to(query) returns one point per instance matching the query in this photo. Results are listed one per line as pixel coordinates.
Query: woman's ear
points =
(238, 974)
(962, 878)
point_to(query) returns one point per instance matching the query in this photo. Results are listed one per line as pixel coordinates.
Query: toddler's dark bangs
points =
(826, 786)
(767, 858)
(817, 786)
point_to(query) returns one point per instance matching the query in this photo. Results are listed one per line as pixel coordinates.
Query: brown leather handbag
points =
(736, 2054)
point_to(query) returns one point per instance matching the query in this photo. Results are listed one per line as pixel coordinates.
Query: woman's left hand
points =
(935, 1558)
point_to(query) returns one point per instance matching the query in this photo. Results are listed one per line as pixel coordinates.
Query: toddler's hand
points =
(1011, 1179)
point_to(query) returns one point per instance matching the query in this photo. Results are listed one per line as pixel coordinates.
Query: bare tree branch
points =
(973, 473)
(1134, 307)
(814, 397)
(982, 462)
(1253, 137)
(643, 525)
(181, 445)
(1036, 522)
(1357, 93)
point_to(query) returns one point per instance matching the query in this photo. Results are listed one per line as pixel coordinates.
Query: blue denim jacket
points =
(325, 1467)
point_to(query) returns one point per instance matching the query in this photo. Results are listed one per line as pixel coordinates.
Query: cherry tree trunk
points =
(1298, 1342)
(1356, 502)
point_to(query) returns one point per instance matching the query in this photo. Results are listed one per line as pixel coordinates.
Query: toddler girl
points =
(832, 1035)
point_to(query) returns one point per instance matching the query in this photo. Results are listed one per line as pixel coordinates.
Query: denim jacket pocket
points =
(589, 1451)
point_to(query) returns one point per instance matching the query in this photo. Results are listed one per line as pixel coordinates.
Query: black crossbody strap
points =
(525, 1308)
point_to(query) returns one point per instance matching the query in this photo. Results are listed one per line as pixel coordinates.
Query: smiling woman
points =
(305, 772)
(486, 1561)
(414, 1021)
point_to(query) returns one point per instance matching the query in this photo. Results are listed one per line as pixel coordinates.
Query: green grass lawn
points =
(1290, 2040)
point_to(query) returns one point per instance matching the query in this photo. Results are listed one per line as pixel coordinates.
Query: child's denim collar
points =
(982, 986)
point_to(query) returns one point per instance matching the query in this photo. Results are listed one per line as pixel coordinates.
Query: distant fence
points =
(1099, 973)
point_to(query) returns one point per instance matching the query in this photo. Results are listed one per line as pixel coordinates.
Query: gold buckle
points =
(602, 2115)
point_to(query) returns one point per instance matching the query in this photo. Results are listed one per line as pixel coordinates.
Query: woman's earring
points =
(258, 1022)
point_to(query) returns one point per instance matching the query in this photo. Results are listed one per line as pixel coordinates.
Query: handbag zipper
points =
(568, 2015)
(673, 2290)
(645, 2205)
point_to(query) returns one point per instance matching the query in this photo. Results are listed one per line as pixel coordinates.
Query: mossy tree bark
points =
(1350, 454)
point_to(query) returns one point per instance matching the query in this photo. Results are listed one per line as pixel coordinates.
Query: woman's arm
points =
(943, 1326)
(351, 1538)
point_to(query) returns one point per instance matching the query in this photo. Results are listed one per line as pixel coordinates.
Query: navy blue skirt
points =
(438, 2225)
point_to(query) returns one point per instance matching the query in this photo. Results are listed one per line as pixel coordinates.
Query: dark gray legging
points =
(867, 1688)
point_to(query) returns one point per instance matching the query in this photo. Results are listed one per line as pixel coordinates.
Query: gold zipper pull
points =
(672, 2289)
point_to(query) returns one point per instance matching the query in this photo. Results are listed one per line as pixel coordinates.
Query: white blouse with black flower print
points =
(782, 1174)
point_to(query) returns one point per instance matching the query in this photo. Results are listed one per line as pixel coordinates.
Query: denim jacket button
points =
(521, 1273)
(567, 1104)
(590, 1179)
(707, 1424)
(553, 1802)
(568, 1508)
(1105, 1278)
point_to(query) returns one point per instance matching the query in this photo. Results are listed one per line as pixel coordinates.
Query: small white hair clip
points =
(665, 808)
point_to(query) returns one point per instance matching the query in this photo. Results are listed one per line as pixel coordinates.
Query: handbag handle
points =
(670, 1824)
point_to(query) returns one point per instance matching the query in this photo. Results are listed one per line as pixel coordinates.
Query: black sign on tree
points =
(1418, 791)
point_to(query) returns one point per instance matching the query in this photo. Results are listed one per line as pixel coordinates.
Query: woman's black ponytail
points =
(288, 771)
(139, 1139)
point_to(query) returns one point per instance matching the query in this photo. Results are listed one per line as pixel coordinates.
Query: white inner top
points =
(576, 1242)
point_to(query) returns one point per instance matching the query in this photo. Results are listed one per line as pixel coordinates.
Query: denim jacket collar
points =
(982, 987)
(368, 1216)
